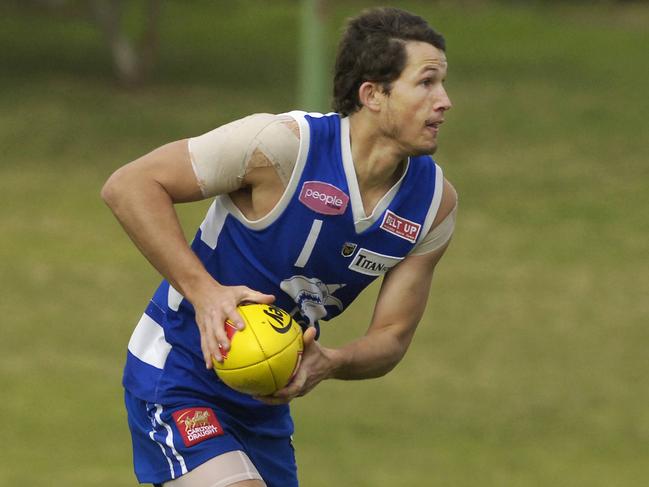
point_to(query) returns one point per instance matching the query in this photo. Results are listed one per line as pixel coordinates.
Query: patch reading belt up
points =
(400, 226)
(197, 424)
(372, 263)
(324, 198)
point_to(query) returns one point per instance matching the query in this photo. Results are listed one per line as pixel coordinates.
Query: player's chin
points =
(425, 149)
(425, 145)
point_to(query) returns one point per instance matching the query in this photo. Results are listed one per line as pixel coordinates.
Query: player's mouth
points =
(433, 125)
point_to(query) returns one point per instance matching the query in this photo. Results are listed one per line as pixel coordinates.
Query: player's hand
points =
(314, 368)
(213, 306)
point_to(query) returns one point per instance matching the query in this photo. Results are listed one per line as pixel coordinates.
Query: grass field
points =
(530, 367)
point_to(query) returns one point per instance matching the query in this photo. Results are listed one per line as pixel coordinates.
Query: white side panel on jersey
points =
(291, 187)
(309, 244)
(173, 298)
(148, 342)
(213, 223)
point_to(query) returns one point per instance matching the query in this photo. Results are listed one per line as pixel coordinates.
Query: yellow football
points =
(264, 355)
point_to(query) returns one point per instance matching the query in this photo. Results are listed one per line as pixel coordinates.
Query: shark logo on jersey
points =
(312, 296)
(372, 263)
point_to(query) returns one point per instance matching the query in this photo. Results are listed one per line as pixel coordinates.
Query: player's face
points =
(415, 107)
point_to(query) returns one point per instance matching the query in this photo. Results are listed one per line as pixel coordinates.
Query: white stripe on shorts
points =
(171, 467)
(170, 443)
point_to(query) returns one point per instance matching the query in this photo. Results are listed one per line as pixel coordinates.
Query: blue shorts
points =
(169, 442)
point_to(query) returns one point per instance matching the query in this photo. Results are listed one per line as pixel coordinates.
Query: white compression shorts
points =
(220, 471)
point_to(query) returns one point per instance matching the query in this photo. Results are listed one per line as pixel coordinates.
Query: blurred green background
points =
(531, 365)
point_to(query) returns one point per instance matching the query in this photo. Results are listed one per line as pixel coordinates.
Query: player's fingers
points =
(207, 356)
(283, 396)
(235, 318)
(221, 341)
(213, 334)
(272, 400)
(289, 392)
(250, 295)
(295, 388)
(258, 297)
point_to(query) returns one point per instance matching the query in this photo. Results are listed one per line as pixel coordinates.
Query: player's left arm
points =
(399, 307)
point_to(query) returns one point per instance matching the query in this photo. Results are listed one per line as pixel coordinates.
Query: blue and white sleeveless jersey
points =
(315, 251)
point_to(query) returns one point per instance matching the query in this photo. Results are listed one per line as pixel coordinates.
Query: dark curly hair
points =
(373, 49)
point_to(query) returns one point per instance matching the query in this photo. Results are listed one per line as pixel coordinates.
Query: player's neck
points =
(377, 159)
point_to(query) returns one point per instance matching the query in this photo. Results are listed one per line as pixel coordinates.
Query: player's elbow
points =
(401, 343)
(108, 192)
(393, 355)
(388, 364)
(115, 188)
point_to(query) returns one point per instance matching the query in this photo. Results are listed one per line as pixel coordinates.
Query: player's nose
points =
(443, 101)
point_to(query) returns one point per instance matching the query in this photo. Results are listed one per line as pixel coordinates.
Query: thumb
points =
(308, 338)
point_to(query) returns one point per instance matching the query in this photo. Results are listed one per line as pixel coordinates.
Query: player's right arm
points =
(142, 195)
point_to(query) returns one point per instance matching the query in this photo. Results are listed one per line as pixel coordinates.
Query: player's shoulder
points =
(267, 125)
(447, 204)
(274, 142)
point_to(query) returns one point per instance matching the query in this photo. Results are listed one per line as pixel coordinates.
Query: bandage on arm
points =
(222, 157)
(438, 236)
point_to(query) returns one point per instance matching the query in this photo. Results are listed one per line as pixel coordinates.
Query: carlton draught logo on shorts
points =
(197, 424)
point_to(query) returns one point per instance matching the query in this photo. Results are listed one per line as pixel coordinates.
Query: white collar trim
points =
(362, 221)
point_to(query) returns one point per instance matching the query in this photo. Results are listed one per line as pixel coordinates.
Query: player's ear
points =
(371, 95)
